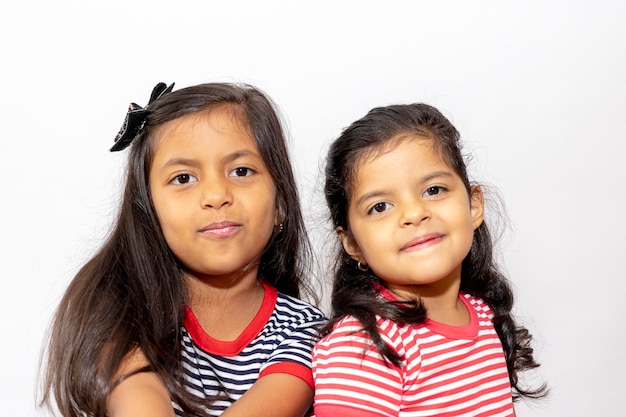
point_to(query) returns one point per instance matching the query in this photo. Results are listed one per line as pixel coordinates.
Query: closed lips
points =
(221, 228)
(423, 241)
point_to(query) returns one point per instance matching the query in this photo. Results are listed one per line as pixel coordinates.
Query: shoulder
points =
(349, 337)
(137, 392)
(478, 305)
(294, 320)
(350, 327)
(352, 377)
(295, 310)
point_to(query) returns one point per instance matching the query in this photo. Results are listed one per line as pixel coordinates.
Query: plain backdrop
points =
(536, 88)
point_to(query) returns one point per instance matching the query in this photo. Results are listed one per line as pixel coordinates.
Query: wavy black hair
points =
(354, 291)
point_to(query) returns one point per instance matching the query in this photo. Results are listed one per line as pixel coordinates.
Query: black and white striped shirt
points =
(279, 339)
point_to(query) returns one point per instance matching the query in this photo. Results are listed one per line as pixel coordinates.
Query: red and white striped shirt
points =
(445, 371)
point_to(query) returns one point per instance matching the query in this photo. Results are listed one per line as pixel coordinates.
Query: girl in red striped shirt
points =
(421, 322)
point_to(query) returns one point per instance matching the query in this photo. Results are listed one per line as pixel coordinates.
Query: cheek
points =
(166, 217)
(369, 241)
(168, 230)
(467, 235)
(271, 203)
(161, 211)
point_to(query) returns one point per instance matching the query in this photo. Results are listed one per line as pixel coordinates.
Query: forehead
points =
(222, 125)
(218, 117)
(373, 154)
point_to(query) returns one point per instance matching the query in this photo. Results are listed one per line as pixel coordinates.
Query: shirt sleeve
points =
(352, 378)
(300, 331)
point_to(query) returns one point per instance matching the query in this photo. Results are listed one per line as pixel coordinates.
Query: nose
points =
(216, 193)
(414, 212)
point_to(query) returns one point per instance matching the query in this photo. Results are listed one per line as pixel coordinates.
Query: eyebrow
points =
(195, 163)
(180, 161)
(437, 174)
(427, 178)
(239, 154)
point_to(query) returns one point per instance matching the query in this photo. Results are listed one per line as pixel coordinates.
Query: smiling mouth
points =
(220, 229)
(422, 242)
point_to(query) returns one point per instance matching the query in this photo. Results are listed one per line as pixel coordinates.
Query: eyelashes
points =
(187, 178)
(182, 179)
(379, 207)
(241, 172)
(432, 192)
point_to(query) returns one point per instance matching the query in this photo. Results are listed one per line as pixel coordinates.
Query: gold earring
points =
(361, 266)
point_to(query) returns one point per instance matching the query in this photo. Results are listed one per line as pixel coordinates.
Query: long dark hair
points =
(130, 294)
(354, 290)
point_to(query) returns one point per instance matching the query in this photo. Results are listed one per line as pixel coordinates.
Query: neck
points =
(447, 309)
(440, 298)
(217, 290)
(224, 306)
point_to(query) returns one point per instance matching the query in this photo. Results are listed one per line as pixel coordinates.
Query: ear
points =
(279, 217)
(349, 244)
(477, 206)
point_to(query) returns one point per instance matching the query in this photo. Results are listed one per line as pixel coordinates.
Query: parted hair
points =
(355, 291)
(130, 294)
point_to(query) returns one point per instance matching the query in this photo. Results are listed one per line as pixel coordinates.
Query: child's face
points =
(212, 192)
(410, 217)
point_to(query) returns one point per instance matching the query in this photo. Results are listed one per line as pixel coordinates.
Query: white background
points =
(537, 89)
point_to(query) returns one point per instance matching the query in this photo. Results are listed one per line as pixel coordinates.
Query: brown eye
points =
(436, 190)
(241, 172)
(183, 179)
(379, 208)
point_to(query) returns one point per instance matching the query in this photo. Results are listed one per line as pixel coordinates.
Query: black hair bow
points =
(136, 118)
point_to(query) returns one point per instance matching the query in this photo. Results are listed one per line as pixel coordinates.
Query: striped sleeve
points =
(295, 330)
(352, 378)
